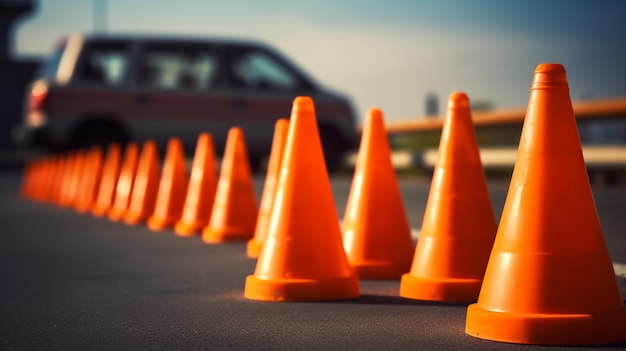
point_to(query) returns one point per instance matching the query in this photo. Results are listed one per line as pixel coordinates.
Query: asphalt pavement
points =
(75, 282)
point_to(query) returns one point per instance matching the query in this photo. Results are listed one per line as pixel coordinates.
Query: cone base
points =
(81, 208)
(185, 229)
(546, 329)
(253, 248)
(379, 269)
(158, 224)
(447, 290)
(115, 215)
(216, 236)
(134, 218)
(98, 211)
(324, 289)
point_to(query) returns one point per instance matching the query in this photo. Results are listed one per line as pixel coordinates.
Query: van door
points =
(95, 99)
(177, 95)
(263, 88)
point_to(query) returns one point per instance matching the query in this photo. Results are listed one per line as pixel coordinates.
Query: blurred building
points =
(14, 73)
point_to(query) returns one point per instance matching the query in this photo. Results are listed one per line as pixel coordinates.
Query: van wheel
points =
(258, 165)
(333, 149)
(97, 135)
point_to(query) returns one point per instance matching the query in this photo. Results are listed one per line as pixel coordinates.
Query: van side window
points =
(172, 69)
(104, 65)
(256, 70)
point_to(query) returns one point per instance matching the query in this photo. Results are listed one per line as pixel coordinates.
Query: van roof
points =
(173, 38)
(178, 39)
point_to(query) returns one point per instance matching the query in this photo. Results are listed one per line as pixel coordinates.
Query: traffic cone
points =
(234, 212)
(60, 174)
(459, 225)
(125, 182)
(269, 188)
(143, 195)
(303, 258)
(51, 175)
(70, 188)
(78, 172)
(108, 183)
(201, 189)
(90, 182)
(549, 279)
(172, 188)
(32, 179)
(70, 161)
(376, 232)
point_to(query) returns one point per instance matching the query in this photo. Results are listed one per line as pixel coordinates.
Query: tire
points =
(333, 147)
(97, 134)
(258, 165)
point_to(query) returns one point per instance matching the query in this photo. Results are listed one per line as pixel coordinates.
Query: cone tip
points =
(550, 68)
(375, 114)
(302, 104)
(174, 142)
(205, 138)
(234, 131)
(375, 111)
(549, 76)
(458, 100)
(281, 122)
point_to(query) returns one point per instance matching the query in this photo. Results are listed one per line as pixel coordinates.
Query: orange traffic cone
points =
(172, 188)
(57, 183)
(32, 187)
(143, 195)
(51, 175)
(549, 279)
(235, 210)
(72, 181)
(90, 182)
(303, 256)
(376, 232)
(201, 189)
(125, 183)
(269, 188)
(70, 161)
(108, 183)
(459, 225)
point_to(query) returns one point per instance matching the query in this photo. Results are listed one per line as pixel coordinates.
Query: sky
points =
(389, 54)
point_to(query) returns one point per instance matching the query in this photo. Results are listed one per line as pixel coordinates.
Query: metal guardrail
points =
(593, 109)
(599, 155)
(596, 157)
